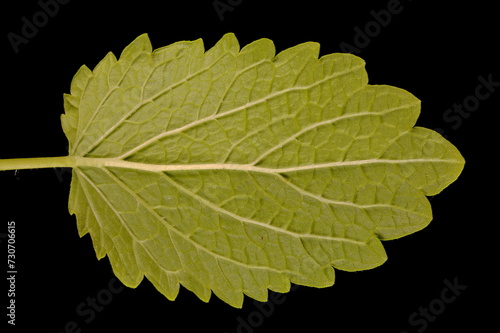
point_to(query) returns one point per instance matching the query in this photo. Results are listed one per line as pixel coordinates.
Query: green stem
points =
(37, 163)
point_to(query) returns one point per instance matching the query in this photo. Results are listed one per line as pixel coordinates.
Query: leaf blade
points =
(237, 171)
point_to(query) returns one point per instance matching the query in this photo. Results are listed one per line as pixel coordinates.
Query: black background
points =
(437, 52)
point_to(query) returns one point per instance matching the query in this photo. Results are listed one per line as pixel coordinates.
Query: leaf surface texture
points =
(235, 171)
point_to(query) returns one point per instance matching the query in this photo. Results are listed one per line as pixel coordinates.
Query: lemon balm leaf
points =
(238, 170)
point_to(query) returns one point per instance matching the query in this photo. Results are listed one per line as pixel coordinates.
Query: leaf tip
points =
(141, 44)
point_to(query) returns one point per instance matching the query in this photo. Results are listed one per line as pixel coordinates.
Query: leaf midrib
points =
(119, 163)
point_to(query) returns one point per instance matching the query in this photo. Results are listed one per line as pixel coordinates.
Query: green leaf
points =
(237, 171)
